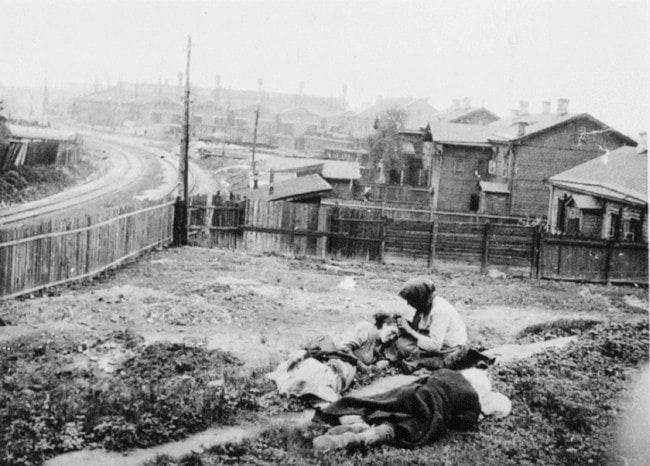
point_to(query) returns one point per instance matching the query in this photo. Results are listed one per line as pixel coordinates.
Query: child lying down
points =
(325, 368)
(415, 414)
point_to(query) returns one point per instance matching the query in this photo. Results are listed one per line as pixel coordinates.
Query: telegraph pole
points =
(253, 168)
(182, 200)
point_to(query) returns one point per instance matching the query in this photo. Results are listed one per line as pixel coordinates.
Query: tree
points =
(385, 145)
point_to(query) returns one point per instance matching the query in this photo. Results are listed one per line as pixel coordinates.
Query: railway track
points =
(128, 169)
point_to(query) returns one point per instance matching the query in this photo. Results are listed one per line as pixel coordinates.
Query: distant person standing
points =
(437, 336)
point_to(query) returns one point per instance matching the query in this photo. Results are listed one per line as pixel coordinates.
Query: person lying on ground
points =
(367, 341)
(437, 336)
(412, 415)
(323, 369)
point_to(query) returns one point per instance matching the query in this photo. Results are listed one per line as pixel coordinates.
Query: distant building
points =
(500, 168)
(462, 112)
(606, 197)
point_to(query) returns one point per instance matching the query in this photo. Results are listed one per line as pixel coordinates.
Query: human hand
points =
(403, 324)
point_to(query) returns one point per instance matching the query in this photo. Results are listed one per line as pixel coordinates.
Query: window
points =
(492, 167)
(635, 230)
(582, 135)
(573, 226)
(458, 165)
(614, 225)
(474, 202)
(561, 215)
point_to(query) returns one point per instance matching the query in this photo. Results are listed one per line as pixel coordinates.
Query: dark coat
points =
(420, 412)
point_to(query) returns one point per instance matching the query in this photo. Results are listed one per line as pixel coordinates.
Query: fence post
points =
(485, 246)
(382, 245)
(432, 243)
(180, 222)
(608, 259)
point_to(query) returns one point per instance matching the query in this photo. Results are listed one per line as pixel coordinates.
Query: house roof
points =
(301, 186)
(508, 129)
(492, 187)
(620, 174)
(586, 202)
(37, 132)
(331, 169)
(452, 114)
(458, 133)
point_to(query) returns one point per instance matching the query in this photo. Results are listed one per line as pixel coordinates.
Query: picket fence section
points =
(52, 252)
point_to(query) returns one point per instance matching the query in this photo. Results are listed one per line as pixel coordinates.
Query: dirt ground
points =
(262, 307)
(150, 335)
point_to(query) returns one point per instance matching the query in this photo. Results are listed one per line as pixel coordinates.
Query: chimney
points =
(455, 104)
(643, 139)
(467, 102)
(521, 128)
(562, 106)
(546, 107)
(523, 107)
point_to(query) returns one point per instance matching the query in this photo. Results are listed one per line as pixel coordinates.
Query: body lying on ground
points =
(413, 415)
(325, 368)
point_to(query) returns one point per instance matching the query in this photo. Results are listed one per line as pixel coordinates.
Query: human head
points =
(419, 293)
(387, 325)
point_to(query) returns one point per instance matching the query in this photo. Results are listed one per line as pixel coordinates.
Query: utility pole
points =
(180, 210)
(253, 168)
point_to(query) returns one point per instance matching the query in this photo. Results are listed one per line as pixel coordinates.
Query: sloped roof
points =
(492, 187)
(331, 169)
(458, 133)
(300, 186)
(620, 174)
(452, 114)
(37, 132)
(507, 130)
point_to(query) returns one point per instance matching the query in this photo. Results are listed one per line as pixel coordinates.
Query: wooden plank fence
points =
(387, 234)
(52, 252)
(591, 260)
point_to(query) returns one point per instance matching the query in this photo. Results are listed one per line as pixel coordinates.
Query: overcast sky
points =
(595, 53)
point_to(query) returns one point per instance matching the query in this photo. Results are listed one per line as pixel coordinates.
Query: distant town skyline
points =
(496, 53)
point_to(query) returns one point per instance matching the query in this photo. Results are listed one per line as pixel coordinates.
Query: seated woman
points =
(436, 337)
(324, 368)
(415, 414)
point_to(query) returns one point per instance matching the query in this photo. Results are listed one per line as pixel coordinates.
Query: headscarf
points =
(418, 292)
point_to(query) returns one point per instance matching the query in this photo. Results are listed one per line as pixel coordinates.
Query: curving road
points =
(136, 170)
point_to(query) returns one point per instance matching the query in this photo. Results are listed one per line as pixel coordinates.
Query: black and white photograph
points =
(324, 232)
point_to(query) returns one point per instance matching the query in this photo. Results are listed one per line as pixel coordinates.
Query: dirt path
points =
(194, 443)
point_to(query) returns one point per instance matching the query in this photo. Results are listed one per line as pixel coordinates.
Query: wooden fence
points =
(52, 252)
(356, 232)
(591, 260)
(417, 236)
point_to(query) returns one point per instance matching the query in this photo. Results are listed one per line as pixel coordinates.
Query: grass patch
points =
(557, 328)
(51, 403)
(564, 412)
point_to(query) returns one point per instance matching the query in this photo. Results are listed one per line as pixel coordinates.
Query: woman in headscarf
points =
(436, 337)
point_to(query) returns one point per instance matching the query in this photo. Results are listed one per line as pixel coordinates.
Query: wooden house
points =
(606, 197)
(500, 168)
(531, 148)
